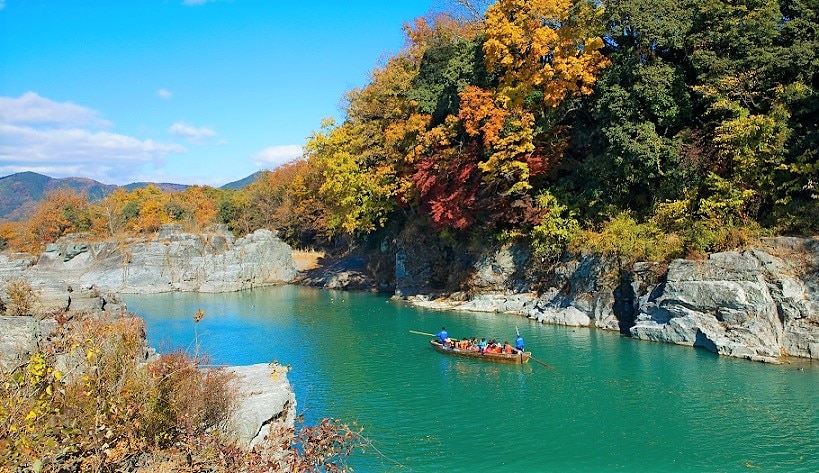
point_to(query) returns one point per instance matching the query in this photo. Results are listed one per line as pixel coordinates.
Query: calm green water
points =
(611, 404)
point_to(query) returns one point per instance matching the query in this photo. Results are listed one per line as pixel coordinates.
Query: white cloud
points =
(274, 156)
(62, 139)
(164, 94)
(195, 135)
(76, 145)
(31, 109)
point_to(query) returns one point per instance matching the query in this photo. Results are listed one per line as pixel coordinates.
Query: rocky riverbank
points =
(761, 304)
(265, 408)
(174, 260)
(75, 278)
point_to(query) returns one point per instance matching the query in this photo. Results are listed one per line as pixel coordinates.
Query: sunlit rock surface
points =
(172, 261)
(267, 405)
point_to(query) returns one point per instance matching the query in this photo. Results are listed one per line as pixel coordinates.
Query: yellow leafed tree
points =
(544, 45)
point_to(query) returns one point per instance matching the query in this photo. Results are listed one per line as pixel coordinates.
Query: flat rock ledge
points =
(527, 304)
(267, 406)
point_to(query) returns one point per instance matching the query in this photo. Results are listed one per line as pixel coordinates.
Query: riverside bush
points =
(18, 298)
(556, 229)
(88, 403)
(708, 236)
(624, 238)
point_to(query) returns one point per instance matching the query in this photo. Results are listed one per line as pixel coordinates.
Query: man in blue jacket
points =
(442, 335)
(519, 343)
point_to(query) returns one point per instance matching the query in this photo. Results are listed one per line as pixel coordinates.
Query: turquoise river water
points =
(610, 403)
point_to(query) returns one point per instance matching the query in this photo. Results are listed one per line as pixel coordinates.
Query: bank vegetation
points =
(89, 401)
(646, 129)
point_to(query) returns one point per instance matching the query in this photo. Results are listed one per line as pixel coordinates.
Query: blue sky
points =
(186, 91)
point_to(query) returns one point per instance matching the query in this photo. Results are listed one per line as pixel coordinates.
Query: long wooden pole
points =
(517, 332)
(422, 333)
(541, 362)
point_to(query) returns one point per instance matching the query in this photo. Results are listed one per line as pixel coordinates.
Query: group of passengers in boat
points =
(482, 346)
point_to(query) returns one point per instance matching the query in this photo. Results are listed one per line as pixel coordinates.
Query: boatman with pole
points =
(519, 343)
(443, 336)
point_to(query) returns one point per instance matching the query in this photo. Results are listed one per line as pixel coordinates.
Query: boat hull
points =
(506, 358)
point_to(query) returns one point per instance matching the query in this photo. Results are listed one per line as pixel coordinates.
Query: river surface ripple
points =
(611, 403)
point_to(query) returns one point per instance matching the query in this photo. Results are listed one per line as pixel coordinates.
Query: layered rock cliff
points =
(760, 304)
(173, 261)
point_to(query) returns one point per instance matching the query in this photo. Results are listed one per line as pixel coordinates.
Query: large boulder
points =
(267, 405)
(751, 305)
(20, 336)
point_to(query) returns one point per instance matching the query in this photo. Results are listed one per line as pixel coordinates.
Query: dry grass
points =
(18, 297)
(307, 259)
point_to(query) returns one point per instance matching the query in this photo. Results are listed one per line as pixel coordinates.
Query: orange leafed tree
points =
(480, 115)
(62, 211)
(508, 138)
(196, 206)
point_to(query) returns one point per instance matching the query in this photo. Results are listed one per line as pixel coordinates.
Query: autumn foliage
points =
(686, 115)
(549, 46)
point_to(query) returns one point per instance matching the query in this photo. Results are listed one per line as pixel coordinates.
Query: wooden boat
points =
(508, 358)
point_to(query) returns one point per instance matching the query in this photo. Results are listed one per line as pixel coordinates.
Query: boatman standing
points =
(442, 335)
(519, 343)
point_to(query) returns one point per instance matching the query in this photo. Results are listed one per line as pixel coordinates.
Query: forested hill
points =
(647, 129)
(697, 119)
(20, 193)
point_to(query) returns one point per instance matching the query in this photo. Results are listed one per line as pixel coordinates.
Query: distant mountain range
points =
(20, 192)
